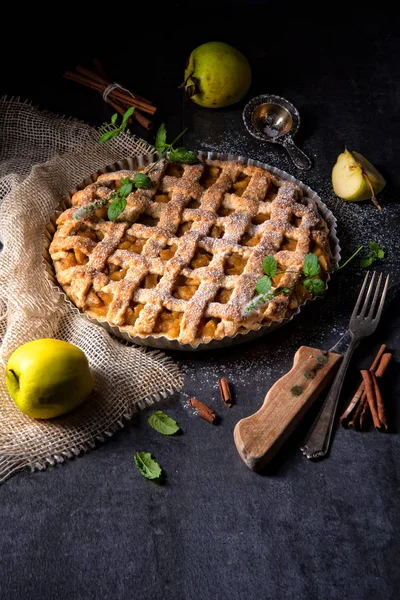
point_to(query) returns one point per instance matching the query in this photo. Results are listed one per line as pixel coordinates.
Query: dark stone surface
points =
(94, 528)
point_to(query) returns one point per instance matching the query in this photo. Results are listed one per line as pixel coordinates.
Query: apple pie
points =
(183, 258)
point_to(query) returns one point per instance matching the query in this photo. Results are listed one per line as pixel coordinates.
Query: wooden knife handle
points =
(259, 436)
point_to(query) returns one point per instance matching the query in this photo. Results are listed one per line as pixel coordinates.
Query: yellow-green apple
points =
(217, 75)
(47, 378)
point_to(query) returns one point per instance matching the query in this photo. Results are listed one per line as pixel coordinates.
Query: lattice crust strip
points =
(183, 258)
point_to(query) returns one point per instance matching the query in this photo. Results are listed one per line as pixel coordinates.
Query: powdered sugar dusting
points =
(252, 368)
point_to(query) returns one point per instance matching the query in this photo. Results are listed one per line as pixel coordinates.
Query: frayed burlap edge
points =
(12, 459)
(12, 464)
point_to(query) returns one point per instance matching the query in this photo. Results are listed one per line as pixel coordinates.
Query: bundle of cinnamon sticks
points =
(118, 97)
(367, 403)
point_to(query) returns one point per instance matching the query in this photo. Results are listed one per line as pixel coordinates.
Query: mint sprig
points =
(116, 130)
(177, 155)
(375, 253)
(118, 199)
(311, 272)
(183, 155)
(87, 209)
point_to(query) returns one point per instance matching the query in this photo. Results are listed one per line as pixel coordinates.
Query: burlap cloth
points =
(43, 157)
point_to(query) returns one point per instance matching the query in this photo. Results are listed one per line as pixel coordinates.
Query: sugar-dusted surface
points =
(216, 530)
(184, 256)
(358, 223)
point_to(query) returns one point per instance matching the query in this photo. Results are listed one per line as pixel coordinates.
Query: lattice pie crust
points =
(183, 258)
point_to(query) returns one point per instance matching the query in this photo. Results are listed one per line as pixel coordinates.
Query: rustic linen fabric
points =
(43, 157)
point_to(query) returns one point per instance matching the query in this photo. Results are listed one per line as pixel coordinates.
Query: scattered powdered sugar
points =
(251, 368)
(358, 222)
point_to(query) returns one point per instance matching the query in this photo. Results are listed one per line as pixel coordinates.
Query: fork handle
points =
(318, 439)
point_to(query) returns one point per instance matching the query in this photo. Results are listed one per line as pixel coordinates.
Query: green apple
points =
(354, 178)
(217, 75)
(47, 378)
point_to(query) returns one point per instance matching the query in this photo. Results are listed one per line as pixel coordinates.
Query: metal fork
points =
(362, 324)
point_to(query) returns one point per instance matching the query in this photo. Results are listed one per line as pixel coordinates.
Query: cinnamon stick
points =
(95, 76)
(383, 365)
(355, 421)
(365, 413)
(99, 68)
(140, 118)
(117, 94)
(120, 109)
(106, 81)
(100, 71)
(351, 408)
(378, 357)
(147, 108)
(380, 406)
(203, 410)
(225, 391)
(144, 121)
(371, 398)
(358, 396)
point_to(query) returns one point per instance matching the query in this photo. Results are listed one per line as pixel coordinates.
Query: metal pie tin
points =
(159, 340)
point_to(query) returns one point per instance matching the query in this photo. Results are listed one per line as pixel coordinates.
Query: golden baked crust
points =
(183, 258)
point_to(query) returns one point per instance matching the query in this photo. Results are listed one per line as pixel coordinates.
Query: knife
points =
(259, 436)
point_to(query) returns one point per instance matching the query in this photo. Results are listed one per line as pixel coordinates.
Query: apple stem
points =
(192, 86)
(184, 83)
(191, 90)
(373, 197)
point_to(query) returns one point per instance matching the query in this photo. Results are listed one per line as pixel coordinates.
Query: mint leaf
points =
(125, 188)
(161, 138)
(163, 423)
(148, 467)
(270, 265)
(142, 181)
(183, 155)
(374, 246)
(263, 285)
(315, 286)
(366, 262)
(109, 135)
(311, 265)
(116, 207)
(126, 117)
(374, 254)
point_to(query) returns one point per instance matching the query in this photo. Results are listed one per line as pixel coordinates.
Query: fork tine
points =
(381, 303)
(375, 298)
(360, 295)
(368, 296)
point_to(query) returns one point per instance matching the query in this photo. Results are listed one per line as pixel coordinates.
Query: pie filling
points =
(183, 258)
